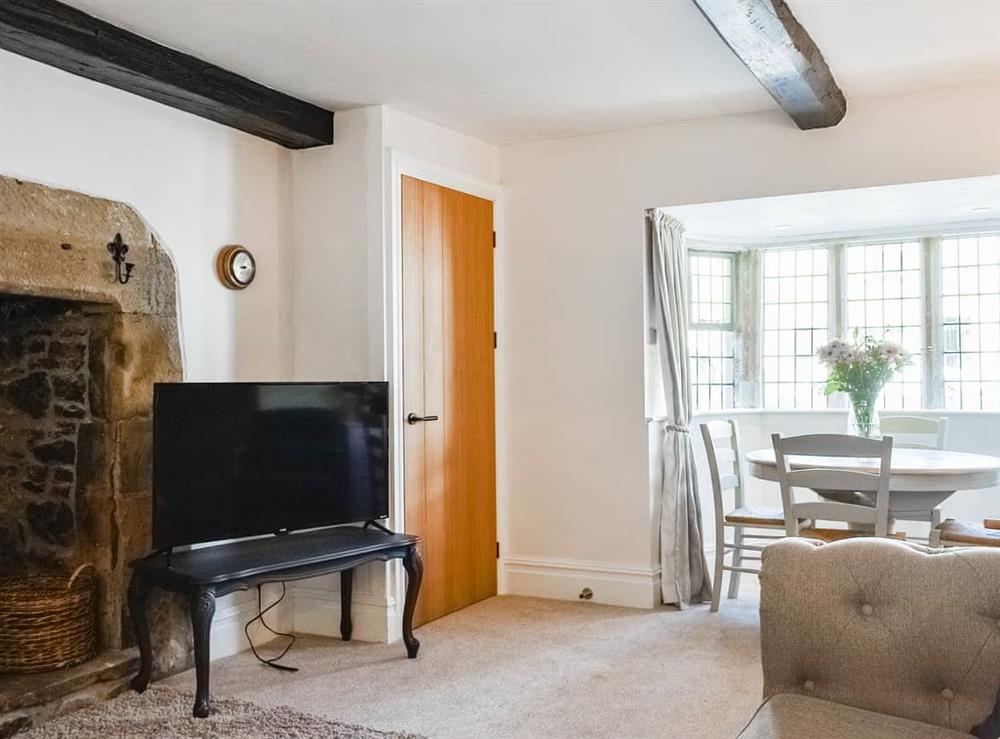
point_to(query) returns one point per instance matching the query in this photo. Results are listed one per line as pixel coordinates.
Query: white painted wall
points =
(341, 217)
(577, 444)
(342, 226)
(200, 186)
(443, 146)
(331, 232)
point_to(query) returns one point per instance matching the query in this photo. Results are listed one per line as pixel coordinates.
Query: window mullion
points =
(837, 310)
(838, 305)
(933, 357)
(748, 318)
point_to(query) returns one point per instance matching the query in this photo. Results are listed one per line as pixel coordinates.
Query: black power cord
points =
(273, 661)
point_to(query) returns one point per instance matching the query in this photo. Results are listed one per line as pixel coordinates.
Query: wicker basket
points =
(47, 622)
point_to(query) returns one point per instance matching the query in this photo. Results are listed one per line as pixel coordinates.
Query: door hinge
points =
(494, 339)
(498, 550)
(494, 239)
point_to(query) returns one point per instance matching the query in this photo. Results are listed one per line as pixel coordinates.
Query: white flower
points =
(834, 352)
(890, 351)
(893, 353)
(825, 354)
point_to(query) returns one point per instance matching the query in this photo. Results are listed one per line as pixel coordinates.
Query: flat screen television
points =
(232, 460)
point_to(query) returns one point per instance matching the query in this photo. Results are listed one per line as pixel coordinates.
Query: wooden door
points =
(448, 347)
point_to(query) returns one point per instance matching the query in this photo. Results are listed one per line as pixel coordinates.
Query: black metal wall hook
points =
(119, 249)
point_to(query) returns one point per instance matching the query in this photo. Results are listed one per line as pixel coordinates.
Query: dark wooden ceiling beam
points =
(777, 49)
(67, 38)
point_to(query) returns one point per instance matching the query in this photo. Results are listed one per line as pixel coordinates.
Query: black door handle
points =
(414, 418)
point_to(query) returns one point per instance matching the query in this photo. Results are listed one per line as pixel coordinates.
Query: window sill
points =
(839, 411)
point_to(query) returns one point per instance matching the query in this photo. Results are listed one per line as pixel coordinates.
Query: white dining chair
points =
(862, 520)
(725, 465)
(917, 432)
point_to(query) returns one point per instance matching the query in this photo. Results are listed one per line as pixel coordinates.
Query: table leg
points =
(414, 567)
(202, 611)
(346, 588)
(138, 593)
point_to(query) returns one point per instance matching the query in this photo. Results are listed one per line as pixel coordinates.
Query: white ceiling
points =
(880, 47)
(514, 71)
(870, 210)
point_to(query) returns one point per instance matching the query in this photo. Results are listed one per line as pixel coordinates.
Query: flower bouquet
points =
(861, 369)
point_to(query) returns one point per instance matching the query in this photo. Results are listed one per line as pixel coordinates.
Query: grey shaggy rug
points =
(163, 712)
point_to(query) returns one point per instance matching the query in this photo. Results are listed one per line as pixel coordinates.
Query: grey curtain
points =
(685, 577)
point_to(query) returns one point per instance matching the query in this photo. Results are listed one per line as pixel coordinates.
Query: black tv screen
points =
(241, 459)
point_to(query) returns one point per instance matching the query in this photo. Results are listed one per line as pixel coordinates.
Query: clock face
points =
(235, 267)
(243, 268)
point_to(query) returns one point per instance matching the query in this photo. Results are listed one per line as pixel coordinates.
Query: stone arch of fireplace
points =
(79, 354)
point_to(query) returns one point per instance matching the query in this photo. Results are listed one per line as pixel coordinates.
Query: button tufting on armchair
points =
(875, 639)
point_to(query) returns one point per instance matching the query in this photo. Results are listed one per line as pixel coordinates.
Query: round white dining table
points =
(921, 479)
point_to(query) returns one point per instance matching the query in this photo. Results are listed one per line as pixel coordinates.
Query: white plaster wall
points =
(331, 233)
(342, 226)
(578, 458)
(341, 217)
(200, 186)
(407, 133)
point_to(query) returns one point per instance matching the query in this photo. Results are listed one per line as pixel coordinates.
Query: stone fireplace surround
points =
(79, 354)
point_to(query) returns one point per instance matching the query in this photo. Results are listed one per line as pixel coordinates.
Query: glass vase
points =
(862, 416)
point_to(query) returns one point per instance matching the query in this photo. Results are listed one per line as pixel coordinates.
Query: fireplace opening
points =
(79, 355)
(51, 376)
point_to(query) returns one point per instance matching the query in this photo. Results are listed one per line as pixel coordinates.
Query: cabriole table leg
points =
(414, 567)
(202, 611)
(138, 593)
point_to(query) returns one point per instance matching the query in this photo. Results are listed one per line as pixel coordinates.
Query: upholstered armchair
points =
(877, 639)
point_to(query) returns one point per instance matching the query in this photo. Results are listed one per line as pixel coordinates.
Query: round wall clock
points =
(236, 267)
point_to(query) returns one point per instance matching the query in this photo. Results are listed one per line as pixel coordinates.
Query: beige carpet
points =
(162, 712)
(525, 667)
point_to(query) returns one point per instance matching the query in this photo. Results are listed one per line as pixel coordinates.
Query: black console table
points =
(211, 572)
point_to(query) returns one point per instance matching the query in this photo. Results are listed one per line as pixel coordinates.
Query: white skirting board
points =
(232, 613)
(313, 606)
(635, 587)
(310, 607)
(317, 611)
(317, 605)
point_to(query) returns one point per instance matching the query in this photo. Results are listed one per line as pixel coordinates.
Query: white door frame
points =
(400, 164)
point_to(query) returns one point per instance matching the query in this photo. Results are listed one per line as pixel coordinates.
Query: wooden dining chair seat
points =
(968, 533)
(829, 535)
(757, 516)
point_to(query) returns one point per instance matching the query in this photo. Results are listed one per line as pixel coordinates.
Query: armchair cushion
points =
(883, 626)
(797, 716)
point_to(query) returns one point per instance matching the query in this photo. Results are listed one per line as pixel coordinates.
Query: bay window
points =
(937, 296)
